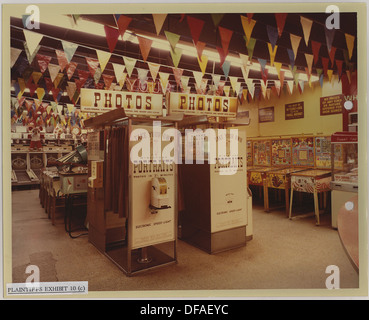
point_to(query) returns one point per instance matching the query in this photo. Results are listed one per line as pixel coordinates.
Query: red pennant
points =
(200, 46)
(222, 55)
(70, 69)
(280, 19)
(99, 85)
(83, 75)
(178, 75)
(123, 23)
(92, 65)
(339, 67)
(49, 84)
(112, 36)
(145, 46)
(225, 36)
(264, 75)
(325, 62)
(195, 26)
(55, 92)
(43, 62)
(62, 59)
(315, 47)
(32, 88)
(332, 54)
(108, 80)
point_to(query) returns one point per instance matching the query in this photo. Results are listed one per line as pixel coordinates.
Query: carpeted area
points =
(283, 254)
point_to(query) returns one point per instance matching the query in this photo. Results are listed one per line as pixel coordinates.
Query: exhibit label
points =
(294, 110)
(133, 103)
(331, 105)
(266, 114)
(196, 104)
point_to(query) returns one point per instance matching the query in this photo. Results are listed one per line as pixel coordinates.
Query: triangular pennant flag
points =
(53, 70)
(281, 78)
(222, 55)
(28, 104)
(350, 39)
(36, 76)
(315, 47)
(164, 81)
(118, 71)
(251, 87)
(278, 66)
(56, 94)
(200, 46)
(290, 86)
(262, 63)
(291, 55)
(225, 36)
(309, 61)
(264, 75)
(154, 69)
(14, 55)
(30, 56)
(184, 82)
(49, 84)
(250, 47)
(142, 75)
(58, 79)
(159, 21)
(43, 62)
(195, 26)
(103, 58)
(280, 19)
(329, 36)
(72, 66)
(244, 93)
(330, 73)
(122, 81)
(332, 54)
(62, 59)
(216, 79)
(83, 76)
(339, 67)
(70, 107)
(203, 63)
(108, 80)
(33, 40)
(177, 75)
(198, 77)
(301, 86)
(130, 64)
(217, 17)
(245, 72)
(112, 35)
(202, 88)
(272, 35)
(176, 55)
(97, 75)
(71, 89)
(319, 72)
(244, 59)
(295, 42)
(37, 103)
(69, 49)
(172, 38)
(321, 80)
(226, 90)
(145, 46)
(123, 23)
(306, 28)
(277, 86)
(248, 25)
(325, 62)
(226, 67)
(236, 86)
(92, 64)
(272, 53)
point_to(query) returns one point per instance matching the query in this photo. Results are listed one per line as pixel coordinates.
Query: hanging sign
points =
(194, 104)
(133, 103)
(331, 105)
(294, 110)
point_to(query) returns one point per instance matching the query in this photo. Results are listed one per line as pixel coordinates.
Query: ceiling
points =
(177, 23)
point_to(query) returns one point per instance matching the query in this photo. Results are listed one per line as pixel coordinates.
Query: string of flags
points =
(65, 78)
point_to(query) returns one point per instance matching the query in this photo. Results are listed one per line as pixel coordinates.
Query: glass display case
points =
(344, 182)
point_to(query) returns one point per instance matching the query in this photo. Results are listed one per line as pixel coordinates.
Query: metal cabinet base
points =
(214, 242)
